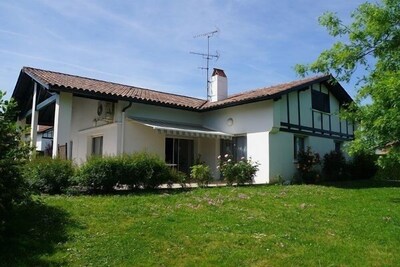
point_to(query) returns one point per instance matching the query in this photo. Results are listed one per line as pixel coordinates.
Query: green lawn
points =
(353, 224)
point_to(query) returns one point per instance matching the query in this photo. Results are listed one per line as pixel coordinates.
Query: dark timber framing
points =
(305, 130)
(323, 130)
(298, 109)
(287, 108)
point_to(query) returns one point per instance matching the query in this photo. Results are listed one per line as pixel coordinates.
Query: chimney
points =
(219, 85)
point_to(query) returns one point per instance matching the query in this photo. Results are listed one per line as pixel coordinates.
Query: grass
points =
(348, 224)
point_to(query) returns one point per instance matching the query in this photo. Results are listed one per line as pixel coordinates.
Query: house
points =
(269, 125)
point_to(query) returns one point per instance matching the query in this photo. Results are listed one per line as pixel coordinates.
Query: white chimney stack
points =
(219, 85)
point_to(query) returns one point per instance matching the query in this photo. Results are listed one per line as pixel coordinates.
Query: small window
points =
(97, 146)
(48, 134)
(298, 145)
(320, 101)
(338, 146)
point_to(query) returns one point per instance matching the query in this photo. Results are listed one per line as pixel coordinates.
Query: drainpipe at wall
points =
(123, 127)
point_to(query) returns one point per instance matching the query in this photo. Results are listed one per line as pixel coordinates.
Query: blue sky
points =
(147, 43)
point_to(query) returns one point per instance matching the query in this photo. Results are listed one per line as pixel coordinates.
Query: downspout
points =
(123, 127)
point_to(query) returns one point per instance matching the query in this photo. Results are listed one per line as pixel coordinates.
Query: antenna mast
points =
(207, 57)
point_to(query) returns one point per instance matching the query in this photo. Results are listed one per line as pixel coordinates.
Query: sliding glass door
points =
(179, 153)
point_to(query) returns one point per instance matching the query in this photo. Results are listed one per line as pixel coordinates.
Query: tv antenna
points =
(207, 56)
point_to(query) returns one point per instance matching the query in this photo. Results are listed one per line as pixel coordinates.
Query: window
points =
(237, 147)
(179, 153)
(298, 145)
(48, 134)
(320, 101)
(338, 146)
(97, 146)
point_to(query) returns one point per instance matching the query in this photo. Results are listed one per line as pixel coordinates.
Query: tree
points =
(372, 42)
(13, 153)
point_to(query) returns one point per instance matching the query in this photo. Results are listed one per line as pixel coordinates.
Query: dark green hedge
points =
(47, 175)
(139, 170)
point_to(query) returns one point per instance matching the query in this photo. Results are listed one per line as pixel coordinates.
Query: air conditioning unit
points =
(105, 111)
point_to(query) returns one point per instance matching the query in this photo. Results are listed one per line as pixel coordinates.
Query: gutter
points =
(123, 127)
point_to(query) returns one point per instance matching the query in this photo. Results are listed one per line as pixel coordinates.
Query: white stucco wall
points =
(281, 146)
(249, 118)
(139, 137)
(62, 121)
(281, 156)
(82, 146)
(258, 151)
(84, 127)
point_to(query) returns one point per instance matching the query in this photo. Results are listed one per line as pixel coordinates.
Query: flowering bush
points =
(240, 172)
(306, 162)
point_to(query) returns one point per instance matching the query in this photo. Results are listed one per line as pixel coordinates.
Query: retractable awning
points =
(183, 129)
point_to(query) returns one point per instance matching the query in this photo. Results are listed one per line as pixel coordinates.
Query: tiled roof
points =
(265, 92)
(78, 84)
(81, 84)
(43, 128)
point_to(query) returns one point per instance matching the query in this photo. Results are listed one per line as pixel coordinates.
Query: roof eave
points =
(115, 98)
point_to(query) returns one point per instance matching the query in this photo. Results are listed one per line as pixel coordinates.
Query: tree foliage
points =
(13, 153)
(372, 42)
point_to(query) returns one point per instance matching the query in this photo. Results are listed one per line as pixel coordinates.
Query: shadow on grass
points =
(395, 200)
(34, 230)
(363, 184)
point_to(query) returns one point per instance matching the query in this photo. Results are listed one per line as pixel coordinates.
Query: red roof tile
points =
(56, 80)
(262, 93)
(43, 128)
(76, 83)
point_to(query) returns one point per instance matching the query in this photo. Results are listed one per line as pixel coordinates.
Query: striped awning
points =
(182, 129)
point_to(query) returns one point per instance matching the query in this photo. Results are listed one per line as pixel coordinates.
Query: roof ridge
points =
(115, 83)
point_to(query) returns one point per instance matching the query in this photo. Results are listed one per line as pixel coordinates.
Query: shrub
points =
(178, 177)
(201, 174)
(125, 171)
(306, 163)
(13, 154)
(335, 167)
(99, 173)
(48, 175)
(139, 170)
(227, 169)
(150, 170)
(389, 164)
(240, 172)
(246, 170)
(363, 166)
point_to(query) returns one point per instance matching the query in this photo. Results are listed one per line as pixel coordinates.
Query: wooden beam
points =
(287, 108)
(308, 130)
(42, 105)
(46, 102)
